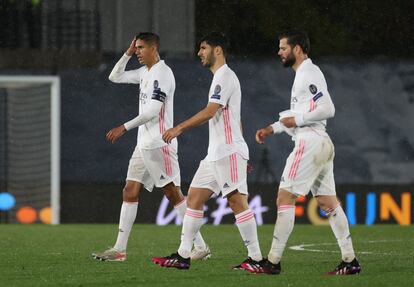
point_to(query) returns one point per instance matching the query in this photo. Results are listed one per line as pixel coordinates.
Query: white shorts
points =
(224, 175)
(156, 167)
(309, 167)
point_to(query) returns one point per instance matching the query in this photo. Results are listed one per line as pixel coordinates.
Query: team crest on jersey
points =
(156, 84)
(313, 89)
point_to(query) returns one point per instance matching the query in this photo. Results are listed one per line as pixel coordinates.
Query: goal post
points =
(30, 147)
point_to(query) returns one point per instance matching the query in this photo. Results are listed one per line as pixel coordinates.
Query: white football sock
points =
(193, 219)
(283, 227)
(246, 223)
(198, 240)
(126, 220)
(340, 227)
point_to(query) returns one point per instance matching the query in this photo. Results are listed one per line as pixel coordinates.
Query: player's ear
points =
(154, 48)
(297, 49)
(217, 50)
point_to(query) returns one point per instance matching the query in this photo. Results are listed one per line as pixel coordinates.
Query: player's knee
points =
(130, 194)
(232, 204)
(327, 202)
(173, 193)
(194, 202)
(237, 202)
(285, 198)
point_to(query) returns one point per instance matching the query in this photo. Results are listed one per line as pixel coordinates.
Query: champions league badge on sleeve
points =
(217, 91)
(313, 89)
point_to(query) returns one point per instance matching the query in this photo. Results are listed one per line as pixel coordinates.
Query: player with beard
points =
(225, 167)
(310, 165)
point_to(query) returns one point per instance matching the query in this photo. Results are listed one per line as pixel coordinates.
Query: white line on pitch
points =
(304, 247)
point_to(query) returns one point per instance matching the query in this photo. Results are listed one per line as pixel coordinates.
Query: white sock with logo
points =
(246, 223)
(193, 219)
(283, 228)
(126, 221)
(340, 227)
(180, 208)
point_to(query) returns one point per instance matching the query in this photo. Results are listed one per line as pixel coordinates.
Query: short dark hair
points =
(297, 37)
(150, 38)
(216, 39)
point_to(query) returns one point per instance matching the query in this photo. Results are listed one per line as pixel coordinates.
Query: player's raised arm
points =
(198, 119)
(118, 73)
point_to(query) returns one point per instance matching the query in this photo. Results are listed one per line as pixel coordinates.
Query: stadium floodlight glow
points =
(31, 145)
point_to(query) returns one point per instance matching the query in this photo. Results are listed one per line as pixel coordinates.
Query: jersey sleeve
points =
(151, 112)
(321, 106)
(119, 75)
(221, 91)
(163, 85)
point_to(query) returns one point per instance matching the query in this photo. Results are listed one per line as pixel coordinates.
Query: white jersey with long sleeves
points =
(310, 100)
(156, 94)
(225, 134)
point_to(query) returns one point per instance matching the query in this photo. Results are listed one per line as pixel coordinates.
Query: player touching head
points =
(153, 162)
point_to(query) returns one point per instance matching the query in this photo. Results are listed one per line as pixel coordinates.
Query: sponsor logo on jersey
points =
(313, 89)
(226, 185)
(142, 97)
(156, 84)
(162, 177)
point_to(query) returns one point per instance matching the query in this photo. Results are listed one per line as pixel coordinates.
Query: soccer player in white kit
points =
(153, 162)
(225, 167)
(310, 165)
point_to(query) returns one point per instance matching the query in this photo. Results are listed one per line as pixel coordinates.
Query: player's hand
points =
(170, 134)
(262, 134)
(131, 50)
(288, 122)
(113, 135)
(249, 168)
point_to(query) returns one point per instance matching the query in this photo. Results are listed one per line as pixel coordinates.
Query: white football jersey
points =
(310, 90)
(155, 84)
(225, 134)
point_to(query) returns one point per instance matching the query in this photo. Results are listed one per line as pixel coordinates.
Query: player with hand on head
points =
(310, 165)
(153, 162)
(225, 166)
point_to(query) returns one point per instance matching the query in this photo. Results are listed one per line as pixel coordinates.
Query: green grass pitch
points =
(39, 255)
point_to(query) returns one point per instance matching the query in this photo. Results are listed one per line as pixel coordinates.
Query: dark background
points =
(364, 48)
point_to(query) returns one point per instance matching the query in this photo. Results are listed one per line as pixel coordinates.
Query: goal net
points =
(30, 148)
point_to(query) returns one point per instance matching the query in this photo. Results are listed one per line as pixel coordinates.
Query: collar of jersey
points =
(222, 68)
(155, 65)
(304, 64)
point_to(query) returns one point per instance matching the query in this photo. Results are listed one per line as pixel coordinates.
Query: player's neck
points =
(155, 60)
(299, 61)
(217, 65)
